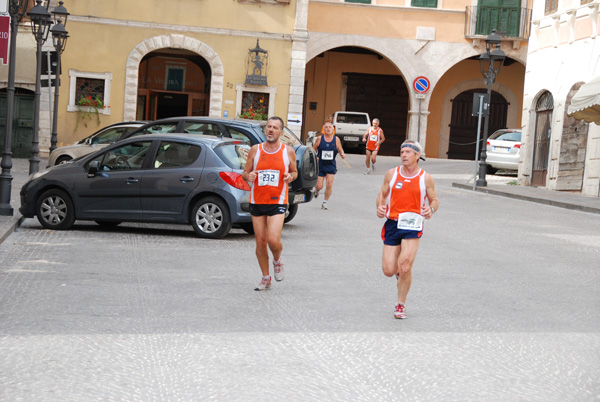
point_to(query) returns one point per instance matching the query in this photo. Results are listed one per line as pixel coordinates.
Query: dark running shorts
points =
(267, 209)
(392, 236)
(325, 169)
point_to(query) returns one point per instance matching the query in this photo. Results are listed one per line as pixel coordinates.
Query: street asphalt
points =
(504, 304)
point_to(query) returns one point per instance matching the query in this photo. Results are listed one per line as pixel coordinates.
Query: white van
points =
(350, 128)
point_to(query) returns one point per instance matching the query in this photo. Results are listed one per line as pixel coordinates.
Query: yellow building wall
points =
(105, 47)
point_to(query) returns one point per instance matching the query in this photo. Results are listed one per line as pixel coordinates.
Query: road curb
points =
(10, 226)
(554, 203)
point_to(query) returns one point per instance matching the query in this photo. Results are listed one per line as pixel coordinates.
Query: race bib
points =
(327, 155)
(374, 137)
(410, 221)
(268, 178)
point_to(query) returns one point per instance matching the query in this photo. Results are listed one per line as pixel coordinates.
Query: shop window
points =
(89, 90)
(424, 3)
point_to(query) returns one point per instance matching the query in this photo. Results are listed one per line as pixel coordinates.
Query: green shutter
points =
(502, 15)
(424, 3)
(359, 1)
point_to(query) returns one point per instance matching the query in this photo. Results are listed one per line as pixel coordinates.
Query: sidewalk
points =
(20, 172)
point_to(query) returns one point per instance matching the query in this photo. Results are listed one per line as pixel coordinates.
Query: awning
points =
(586, 102)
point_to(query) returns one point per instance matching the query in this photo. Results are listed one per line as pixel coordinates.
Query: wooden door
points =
(541, 144)
(22, 124)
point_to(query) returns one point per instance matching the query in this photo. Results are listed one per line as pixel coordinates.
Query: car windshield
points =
(511, 136)
(234, 154)
(351, 118)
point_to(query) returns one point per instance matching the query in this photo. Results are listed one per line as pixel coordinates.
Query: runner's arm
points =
(339, 148)
(292, 173)
(383, 193)
(431, 197)
(316, 144)
(382, 138)
(248, 174)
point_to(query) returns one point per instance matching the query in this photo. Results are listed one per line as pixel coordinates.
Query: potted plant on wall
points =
(89, 109)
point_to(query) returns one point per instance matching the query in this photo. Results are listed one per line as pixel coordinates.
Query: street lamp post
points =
(16, 10)
(40, 24)
(490, 64)
(59, 40)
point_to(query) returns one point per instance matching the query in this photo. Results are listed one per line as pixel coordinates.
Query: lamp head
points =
(40, 20)
(59, 36)
(60, 13)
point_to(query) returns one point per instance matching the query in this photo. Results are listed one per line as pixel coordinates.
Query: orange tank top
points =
(373, 138)
(407, 194)
(269, 187)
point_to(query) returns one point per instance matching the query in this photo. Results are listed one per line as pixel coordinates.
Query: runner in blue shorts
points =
(327, 146)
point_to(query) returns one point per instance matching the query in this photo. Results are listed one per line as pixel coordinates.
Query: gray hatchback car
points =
(157, 178)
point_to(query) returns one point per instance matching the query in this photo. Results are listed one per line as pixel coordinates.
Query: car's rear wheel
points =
(55, 210)
(490, 169)
(210, 218)
(62, 160)
(291, 212)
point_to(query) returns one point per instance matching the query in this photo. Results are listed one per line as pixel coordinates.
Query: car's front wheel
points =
(490, 170)
(55, 210)
(62, 160)
(210, 218)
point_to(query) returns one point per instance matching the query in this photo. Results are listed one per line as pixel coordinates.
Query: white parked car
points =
(100, 139)
(503, 150)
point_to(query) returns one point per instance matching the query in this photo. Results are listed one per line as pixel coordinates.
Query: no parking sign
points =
(421, 85)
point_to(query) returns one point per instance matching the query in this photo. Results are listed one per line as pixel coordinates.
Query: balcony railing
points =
(509, 22)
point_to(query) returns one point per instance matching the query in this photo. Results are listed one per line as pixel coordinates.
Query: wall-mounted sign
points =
(4, 36)
(421, 85)
(257, 63)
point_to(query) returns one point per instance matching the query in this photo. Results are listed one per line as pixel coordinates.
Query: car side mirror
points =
(93, 169)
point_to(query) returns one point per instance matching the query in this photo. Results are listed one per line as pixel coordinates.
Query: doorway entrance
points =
(463, 126)
(541, 144)
(22, 124)
(173, 82)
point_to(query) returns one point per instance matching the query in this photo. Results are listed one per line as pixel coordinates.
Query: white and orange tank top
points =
(269, 187)
(373, 138)
(407, 194)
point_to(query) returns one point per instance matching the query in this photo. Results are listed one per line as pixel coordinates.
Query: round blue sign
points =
(421, 85)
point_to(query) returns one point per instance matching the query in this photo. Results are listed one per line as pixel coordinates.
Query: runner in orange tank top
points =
(374, 138)
(270, 167)
(402, 201)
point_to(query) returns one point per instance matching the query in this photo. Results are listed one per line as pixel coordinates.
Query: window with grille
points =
(89, 90)
(551, 7)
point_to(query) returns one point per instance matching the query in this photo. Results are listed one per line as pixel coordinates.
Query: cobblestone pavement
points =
(504, 307)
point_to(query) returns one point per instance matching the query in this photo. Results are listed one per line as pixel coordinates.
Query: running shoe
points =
(316, 193)
(324, 205)
(279, 273)
(264, 284)
(400, 312)
(367, 171)
(373, 167)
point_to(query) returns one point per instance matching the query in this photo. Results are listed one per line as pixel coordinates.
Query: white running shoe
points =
(400, 311)
(373, 167)
(264, 284)
(279, 273)
(316, 193)
(324, 205)
(367, 171)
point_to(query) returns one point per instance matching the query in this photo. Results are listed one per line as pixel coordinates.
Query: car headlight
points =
(37, 175)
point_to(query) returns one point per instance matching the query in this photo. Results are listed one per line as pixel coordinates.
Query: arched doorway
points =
(541, 144)
(173, 82)
(356, 78)
(22, 123)
(463, 126)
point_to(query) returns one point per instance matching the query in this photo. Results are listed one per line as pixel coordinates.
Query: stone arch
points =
(174, 41)
(465, 86)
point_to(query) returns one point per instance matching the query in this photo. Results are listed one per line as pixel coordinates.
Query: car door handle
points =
(131, 180)
(186, 179)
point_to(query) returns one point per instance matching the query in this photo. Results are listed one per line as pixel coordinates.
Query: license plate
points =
(299, 198)
(501, 149)
(350, 138)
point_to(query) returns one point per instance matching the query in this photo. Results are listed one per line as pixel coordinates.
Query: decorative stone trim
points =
(175, 41)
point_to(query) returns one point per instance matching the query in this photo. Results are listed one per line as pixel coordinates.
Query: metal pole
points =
(486, 123)
(53, 135)
(34, 162)
(5, 178)
(419, 123)
(481, 97)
